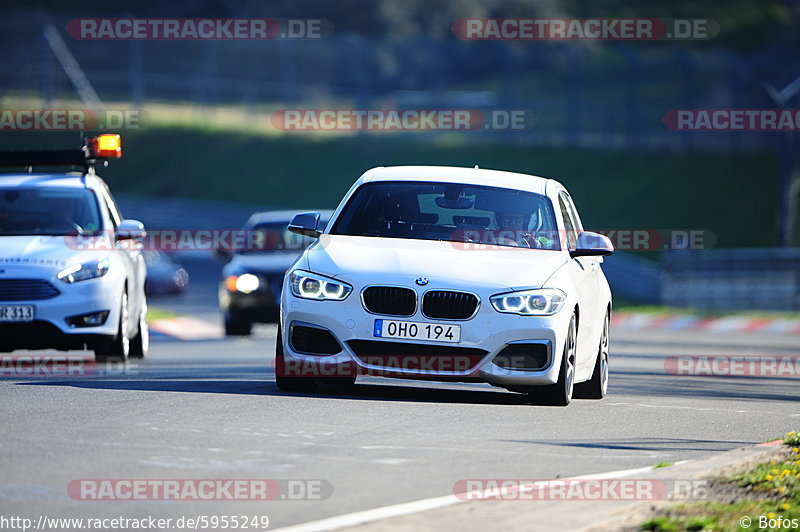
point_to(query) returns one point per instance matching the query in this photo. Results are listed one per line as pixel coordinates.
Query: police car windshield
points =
(275, 237)
(48, 211)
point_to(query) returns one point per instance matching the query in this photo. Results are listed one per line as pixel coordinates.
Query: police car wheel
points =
(140, 343)
(118, 348)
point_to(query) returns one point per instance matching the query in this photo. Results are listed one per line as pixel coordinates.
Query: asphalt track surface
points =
(211, 410)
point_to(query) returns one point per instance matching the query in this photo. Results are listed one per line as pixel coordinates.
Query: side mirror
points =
(130, 230)
(305, 224)
(592, 245)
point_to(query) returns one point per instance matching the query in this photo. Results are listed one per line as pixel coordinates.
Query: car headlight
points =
(312, 286)
(540, 302)
(87, 270)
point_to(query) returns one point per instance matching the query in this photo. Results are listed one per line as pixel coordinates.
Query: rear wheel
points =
(284, 379)
(119, 347)
(236, 326)
(596, 387)
(560, 393)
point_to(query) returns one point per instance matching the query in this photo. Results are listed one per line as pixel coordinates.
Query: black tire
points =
(235, 326)
(597, 386)
(560, 393)
(290, 383)
(140, 343)
(118, 348)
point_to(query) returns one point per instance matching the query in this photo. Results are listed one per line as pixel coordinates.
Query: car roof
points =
(453, 174)
(282, 216)
(25, 180)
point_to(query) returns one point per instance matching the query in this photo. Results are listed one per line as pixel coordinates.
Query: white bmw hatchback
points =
(449, 274)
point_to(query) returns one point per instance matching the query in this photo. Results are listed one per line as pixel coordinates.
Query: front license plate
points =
(16, 313)
(413, 330)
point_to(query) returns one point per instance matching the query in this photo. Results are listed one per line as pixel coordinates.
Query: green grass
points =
(154, 314)
(663, 464)
(613, 189)
(773, 490)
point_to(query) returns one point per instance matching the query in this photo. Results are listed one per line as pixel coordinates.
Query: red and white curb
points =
(682, 322)
(187, 328)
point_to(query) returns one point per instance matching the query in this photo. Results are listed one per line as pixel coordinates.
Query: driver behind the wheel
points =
(512, 228)
(519, 225)
(61, 218)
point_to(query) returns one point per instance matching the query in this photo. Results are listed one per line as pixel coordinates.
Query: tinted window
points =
(449, 212)
(48, 211)
(275, 237)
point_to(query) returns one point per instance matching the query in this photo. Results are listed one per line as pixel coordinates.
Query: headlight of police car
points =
(541, 302)
(312, 286)
(87, 270)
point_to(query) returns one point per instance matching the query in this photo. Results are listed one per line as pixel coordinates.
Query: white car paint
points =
(365, 261)
(38, 257)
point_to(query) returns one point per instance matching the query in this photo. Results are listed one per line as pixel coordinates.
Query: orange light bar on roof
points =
(107, 145)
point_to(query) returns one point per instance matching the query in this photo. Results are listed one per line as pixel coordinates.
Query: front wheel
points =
(140, 343)
(597, 386)
(560, 393)
(119, 347)
(283, 379)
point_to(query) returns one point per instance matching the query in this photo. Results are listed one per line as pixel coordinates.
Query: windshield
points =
(450, 212)
(276, 237)
(48, 211)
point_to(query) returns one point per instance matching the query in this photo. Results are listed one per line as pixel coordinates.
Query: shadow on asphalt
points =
(258, 381)
(645, 444)
(235, 377)
(761, 388)
(369, 392)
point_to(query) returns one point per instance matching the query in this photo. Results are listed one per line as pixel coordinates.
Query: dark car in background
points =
(250, 288)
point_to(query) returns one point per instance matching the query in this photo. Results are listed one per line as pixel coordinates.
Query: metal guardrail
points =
(735, 279)
(633, 279)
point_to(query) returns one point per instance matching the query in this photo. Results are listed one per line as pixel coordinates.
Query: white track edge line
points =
(422, 505)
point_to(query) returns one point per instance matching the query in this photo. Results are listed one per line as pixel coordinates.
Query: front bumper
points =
(51, 328)
(483, 337)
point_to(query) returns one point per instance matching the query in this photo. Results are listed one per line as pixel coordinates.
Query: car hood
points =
(394, 260)
(42, 251)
